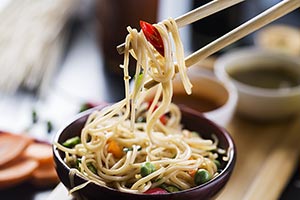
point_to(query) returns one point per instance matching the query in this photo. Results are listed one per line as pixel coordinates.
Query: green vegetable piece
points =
(78, 162)
(141, 119)
(34, 116)
(126, 149)
(85, 106)
(49, 126)
(138, 80)
(147, 169)
(170, 188)
(70, 143)
(201, 176)
(92, 167)
(218, 164)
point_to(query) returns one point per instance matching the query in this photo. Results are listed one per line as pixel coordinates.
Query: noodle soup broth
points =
(268, 83)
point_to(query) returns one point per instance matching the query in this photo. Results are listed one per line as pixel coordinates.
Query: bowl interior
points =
(271, 66)
(215, 99)
(191, 120)
(207, 94)
(260, 103)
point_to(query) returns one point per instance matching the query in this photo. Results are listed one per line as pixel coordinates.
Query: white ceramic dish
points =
(255, 102)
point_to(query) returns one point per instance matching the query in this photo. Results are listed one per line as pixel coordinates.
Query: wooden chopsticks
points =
(197, 14)
(282, 8)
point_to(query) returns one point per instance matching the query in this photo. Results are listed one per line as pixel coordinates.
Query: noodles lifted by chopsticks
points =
(135, 144)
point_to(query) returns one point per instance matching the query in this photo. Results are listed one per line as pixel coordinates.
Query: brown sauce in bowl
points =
(199, 103)
(276, 77)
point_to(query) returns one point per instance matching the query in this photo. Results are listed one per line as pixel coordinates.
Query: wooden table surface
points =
(267, 155)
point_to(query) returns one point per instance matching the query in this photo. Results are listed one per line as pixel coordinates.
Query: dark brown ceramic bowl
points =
(193, 121)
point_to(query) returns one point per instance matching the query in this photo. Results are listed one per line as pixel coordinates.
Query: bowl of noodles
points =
(141, 149)
(218, 159)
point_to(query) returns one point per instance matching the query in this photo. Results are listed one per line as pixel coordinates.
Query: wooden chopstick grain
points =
(204, 11)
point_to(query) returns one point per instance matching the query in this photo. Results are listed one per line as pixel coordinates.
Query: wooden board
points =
(267, 154)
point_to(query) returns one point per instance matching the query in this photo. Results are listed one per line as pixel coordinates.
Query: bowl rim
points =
(230, 163)
(225, 109)
(250, 52)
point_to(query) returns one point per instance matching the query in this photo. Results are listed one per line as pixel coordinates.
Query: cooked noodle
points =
(173, 151)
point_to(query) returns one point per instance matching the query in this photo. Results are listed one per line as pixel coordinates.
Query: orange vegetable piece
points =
(192, 172)
(114, 148)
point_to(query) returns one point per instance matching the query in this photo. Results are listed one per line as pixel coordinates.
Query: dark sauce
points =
(202, 104)
(267, 77)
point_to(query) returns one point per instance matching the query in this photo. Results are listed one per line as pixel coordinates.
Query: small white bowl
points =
(256, 102)
(206, 85)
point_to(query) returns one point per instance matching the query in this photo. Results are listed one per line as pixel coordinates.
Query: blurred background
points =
(57, 55)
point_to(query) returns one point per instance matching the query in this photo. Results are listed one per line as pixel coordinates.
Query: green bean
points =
(72, 142)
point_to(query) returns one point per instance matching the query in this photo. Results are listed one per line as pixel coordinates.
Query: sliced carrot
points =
(41, 152)
(16, 172)
(45, 176)
(114, 148)
(192, 172)
(12, 146)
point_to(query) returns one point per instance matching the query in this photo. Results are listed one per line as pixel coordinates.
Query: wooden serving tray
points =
(267, 155)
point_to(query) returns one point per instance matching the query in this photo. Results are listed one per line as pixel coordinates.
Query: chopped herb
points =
(138, 80)
(78, 162)
(141, 119)
(49, 126)
(92, 167)
(34, 116)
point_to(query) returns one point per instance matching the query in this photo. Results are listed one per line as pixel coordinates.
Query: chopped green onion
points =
(92, 167)
(138, 80)
(34, 116)
(49, 126)
(70, 143)
(141, 119)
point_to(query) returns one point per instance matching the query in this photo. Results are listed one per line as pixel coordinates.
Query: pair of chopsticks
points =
(197, 14)
(282, 8)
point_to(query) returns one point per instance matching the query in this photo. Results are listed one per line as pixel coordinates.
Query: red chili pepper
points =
(156, 191)
(163, 119)
(153, 36)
